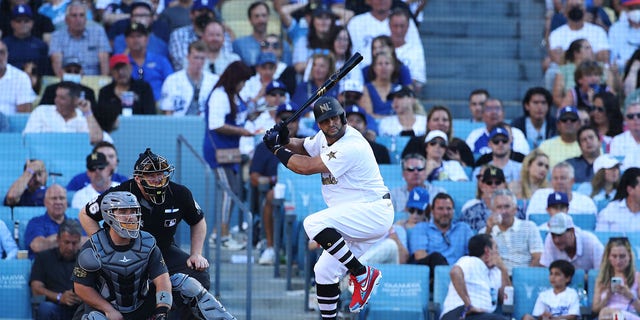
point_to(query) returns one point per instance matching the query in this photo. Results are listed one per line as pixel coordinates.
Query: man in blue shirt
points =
(29, 189)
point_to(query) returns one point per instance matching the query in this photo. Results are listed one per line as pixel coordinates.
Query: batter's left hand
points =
(197, 262)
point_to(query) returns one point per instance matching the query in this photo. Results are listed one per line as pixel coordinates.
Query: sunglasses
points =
(631, 116)
(412, 169)
(572, 120)
(277, 93)
(442, 144)
(416, 211)
(622, 240)
(598, 109)
(500, 140)
(493, 182)
(97, 168)
(268, 44)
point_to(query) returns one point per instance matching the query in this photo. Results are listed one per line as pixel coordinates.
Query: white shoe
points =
(232, 245)
(268, 257)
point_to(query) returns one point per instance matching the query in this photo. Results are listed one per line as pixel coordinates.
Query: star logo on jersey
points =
(124, 259)
(331, 155)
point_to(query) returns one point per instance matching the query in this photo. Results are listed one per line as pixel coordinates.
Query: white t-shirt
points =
(353, 175)
(616, 216)
(563, 36)
(16, 89)
(519, 144)
(561, 304)
(46, 118)
(412, 56)
(624, 145)
(84, 195)
(588, 251)
(482, 285)
(177, 92)
(579, 204)
(390, 126)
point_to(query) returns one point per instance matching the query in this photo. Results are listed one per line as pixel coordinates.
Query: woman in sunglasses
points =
(606, 117)
(617, 288)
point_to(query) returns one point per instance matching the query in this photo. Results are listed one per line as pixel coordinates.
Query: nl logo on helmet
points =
(324, 107)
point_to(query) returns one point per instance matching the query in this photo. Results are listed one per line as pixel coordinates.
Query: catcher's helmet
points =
(125, 224)
(327, 107)
(154, 186)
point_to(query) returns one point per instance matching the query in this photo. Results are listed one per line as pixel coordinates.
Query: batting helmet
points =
(327, 107)
(148, 164)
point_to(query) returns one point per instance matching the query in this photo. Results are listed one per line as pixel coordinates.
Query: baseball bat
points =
(327, 85)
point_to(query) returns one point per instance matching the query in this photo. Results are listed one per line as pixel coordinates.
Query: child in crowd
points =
(559, 301)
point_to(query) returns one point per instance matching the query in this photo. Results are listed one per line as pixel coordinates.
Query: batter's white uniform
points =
(359, 206)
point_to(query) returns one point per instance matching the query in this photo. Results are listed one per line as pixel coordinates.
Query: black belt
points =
(386, 196)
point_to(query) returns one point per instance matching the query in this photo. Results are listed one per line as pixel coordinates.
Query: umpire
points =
(164, 204)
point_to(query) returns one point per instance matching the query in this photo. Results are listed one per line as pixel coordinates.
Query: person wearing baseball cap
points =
(72, 72)
(23, 46)
(253, 92)
(405, 121)
(567, 242)
(501, 154)
(435, 144)
(142, 12)
(99, 174)
(359, 119)
(557, 202)
(565, 145)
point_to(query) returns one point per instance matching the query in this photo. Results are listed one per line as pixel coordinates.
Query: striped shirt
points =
(517, 243)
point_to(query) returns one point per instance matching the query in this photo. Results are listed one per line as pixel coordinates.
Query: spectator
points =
(16, 87)
(22, 45)
(264, 167)
(559, 301)
(439, 118)
(225, 116)
(323, 67)
(565, 145)
(606, 117)
(111, 98)
(179, 40)
(492, 115)
(414, 175)
(436, 167)
(109, 150)
(418, 210)
(88, 42)
(477, 98)
(366, 26)
(28, 190)
(322, 30)
(557, 202)
(383, 76)
(51, 274)
(41, 232)
(94, 275)
(218, 57)
(519, 242)
(565, 241)
(253, 91)
(620, 299)
(42, 26)
(590, 144)
(604, 183)
(405, 121)
(284, 73)
(409, 53)
(184, 92)
(439, 241)
(627, 144)
(357, 118)
(562, 179)
(248, 47)
(537, 123)
(147, 66)
(577, 28)
(477, 282)
(178, 15)
(500, 144)
(587, 83)
(263, 117)
(351, 93)
(630, 76)
(142, 12)
(476, 211)
(99, 174)
(621, 214)
(623, 34)
(383, 43)
(55, 11)
(8, 246)
(116, 11)
(342, 50)
(71, 113)
(72, 72)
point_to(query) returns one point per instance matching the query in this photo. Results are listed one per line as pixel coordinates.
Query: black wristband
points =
(283, 154)
(162, 309)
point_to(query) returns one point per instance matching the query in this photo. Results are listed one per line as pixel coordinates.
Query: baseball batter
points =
(360, 210)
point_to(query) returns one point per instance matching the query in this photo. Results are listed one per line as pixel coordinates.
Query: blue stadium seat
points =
(402, 294)
(23, 215)
(460, 191)
(634, 239)
(17, 121)
(604, 236)
(538, 218)
(395, 145)
(591, 284)
(15, 293)
(583, 221)
(392, 175)
(441, 281)
(528, 282)
(462, 127)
